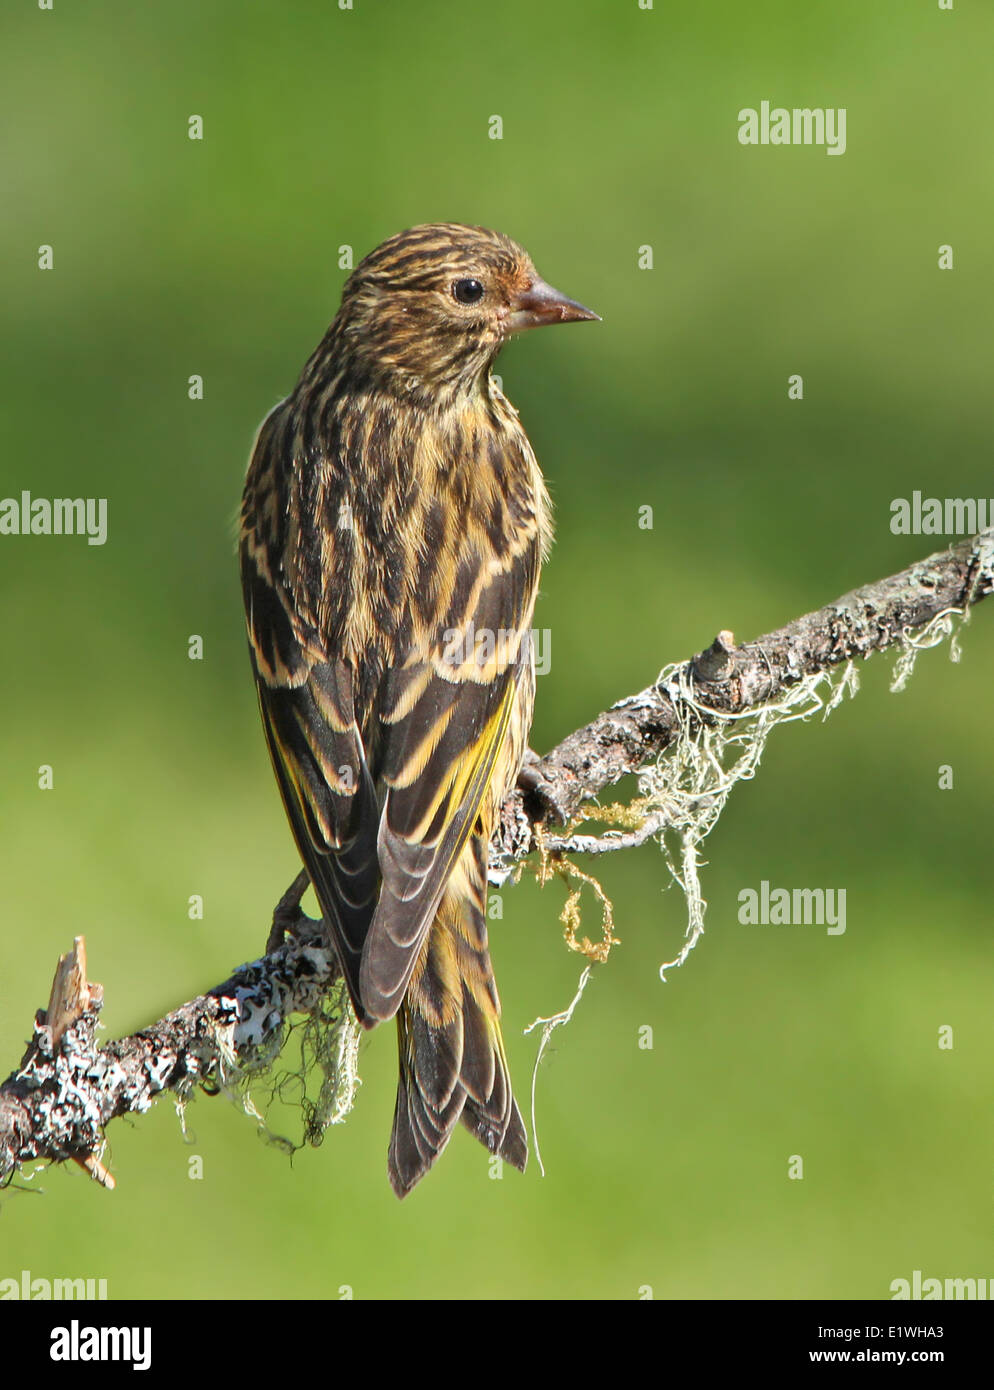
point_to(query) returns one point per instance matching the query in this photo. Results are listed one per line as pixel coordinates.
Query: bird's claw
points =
(288, 914)
(540, 791)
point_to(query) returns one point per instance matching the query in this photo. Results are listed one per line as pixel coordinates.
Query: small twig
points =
(610, 841)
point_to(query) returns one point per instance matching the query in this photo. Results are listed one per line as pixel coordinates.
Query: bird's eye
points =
(468, 291)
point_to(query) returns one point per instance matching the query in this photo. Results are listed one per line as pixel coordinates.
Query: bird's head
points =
(429, 309)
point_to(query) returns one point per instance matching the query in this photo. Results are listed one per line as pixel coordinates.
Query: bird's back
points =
(390, 562)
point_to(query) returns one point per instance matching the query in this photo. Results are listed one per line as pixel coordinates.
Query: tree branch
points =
(733, 679)
(56, 1105)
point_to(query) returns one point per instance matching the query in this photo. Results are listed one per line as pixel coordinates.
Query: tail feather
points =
(495, 1119)
(452, 1061)
(512, 1145)
(420, 1133)
(421, 1130)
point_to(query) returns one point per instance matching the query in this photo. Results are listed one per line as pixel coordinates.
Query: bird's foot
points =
(541, 799)
(288, 916)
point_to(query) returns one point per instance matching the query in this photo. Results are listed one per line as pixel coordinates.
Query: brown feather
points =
(394, 512)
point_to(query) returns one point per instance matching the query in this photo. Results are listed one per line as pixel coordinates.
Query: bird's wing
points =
(442, 719)
(399, 803)
(306, 699)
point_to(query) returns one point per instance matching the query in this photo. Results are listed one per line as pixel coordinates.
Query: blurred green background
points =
(666, 1167)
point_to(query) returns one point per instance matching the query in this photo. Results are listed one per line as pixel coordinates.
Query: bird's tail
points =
(452, 1062)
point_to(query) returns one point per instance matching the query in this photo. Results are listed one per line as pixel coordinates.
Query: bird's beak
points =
(540, 304)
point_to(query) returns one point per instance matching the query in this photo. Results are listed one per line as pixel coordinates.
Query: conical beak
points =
(540, 304)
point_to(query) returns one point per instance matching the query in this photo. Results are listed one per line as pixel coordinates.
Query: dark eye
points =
(468, 291)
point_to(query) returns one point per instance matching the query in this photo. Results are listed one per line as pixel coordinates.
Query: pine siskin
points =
(393, 526)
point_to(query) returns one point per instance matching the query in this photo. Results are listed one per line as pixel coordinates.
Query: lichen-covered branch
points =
(56, 1105)
(732, 679)
(67, 1088)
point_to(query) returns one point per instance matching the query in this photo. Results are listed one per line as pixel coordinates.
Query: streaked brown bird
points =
(393, 525)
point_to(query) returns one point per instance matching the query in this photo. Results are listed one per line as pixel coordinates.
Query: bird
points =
(393, 526)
